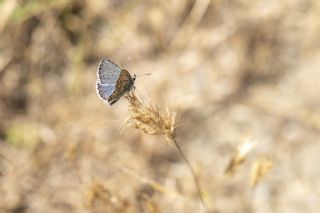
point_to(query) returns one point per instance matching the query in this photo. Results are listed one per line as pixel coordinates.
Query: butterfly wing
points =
(108, 72)
(105, 90)
(123, 85)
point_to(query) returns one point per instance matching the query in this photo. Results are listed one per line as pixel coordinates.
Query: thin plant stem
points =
(152, 120)
(192, 171)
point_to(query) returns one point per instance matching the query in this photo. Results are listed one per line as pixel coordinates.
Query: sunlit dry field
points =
(238, 80)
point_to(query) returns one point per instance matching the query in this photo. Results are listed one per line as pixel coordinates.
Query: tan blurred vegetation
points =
(242, 76)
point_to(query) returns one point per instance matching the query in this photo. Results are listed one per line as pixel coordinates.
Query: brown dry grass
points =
(236, 73)
(152, 120)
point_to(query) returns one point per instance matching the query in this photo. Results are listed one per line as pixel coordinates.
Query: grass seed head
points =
(152, 120)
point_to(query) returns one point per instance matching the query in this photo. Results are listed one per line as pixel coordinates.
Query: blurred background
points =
(238, 74)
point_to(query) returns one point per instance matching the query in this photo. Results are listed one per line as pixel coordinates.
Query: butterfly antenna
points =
(143, 74)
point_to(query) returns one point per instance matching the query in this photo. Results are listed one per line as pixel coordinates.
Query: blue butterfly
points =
(113, 82)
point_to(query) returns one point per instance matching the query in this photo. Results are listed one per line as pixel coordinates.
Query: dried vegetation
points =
(241, 76)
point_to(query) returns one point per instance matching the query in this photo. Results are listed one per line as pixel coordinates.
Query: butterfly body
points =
(113, 82)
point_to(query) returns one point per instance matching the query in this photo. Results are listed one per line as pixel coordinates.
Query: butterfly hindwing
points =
(108, 72)
(105, 90)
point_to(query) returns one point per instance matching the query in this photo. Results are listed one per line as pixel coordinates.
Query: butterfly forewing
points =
(108, 72)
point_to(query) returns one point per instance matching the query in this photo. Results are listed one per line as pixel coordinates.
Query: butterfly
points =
(113, 82)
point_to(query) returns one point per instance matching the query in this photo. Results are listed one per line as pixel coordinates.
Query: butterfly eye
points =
(134, 77)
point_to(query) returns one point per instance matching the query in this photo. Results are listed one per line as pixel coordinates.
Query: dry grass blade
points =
(153, 120)
(239, 157)
(259, 170)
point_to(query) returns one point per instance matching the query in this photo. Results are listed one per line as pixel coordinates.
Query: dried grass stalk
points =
(239, 157)
(152, 120)
(260, 168)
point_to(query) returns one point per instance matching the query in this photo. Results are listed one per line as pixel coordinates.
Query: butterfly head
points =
(134, 77)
